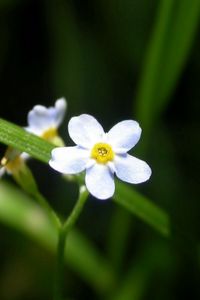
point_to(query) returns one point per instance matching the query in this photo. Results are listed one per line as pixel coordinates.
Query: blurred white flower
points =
(42, 121)
(101, 154)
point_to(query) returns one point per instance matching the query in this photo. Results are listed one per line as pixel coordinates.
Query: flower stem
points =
(58, 293)
(25, 179)
(50, 212)
(63, 231)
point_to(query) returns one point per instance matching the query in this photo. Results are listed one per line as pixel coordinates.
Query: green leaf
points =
(168, 50)
(17, 210)
(133, 201)
(118, 236)
(140, 206)
(16, 137)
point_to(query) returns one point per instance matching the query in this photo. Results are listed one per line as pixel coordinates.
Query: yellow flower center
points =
(102, 153)
(50, 134)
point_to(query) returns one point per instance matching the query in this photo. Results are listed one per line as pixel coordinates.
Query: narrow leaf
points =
(140, 206)
(127, 197)
(17, 210)
(152, 64)
(16, 137)
(168, 50)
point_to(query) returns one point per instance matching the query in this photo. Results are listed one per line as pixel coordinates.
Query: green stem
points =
(58, 293)
(50, 212)
(63, 231)
(25, 179)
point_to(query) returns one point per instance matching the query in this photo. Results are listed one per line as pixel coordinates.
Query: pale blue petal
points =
(2, 171)
(69, 160)
(131, 169)
(60, 108)
(100, 182)
(42, 118)
(25, 156)
(85, 130)
(124, 135)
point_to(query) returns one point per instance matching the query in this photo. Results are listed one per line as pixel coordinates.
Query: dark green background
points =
(104, 57)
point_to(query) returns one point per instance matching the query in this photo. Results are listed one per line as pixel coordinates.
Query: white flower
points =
(44, 121)
(101, 154)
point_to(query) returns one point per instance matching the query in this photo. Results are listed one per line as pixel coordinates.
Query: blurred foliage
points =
(116, 60)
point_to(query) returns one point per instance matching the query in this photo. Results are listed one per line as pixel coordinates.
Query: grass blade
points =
(16, 137)
(137, 204)
(18, 211)
(166, 56)
(140, 206)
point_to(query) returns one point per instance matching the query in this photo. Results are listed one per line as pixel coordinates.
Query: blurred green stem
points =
(63, 231)
(118, 236)
(25, 179)
(50, 212)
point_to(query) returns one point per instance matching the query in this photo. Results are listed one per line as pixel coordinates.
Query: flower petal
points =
(124, 135)
(42, 118)
(100, 182)
(131, 169)
(60, 107)
(69, 160)
(25, 156)
(2, 171)
(85, 130)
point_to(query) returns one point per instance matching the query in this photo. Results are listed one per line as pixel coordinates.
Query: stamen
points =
(102, 153)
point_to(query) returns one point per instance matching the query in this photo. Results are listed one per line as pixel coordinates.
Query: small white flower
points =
(44, 121)
(101, 154)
